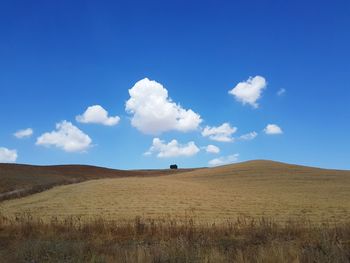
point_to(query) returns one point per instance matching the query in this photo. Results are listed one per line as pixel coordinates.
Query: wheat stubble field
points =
(251, 189)
(256, 211)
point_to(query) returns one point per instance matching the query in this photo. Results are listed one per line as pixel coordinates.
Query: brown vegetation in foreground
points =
(243, 240)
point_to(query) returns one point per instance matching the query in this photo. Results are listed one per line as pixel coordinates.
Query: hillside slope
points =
(20, 179)
(256, 188)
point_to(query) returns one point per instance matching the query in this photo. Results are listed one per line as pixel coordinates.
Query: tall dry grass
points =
(25, 239)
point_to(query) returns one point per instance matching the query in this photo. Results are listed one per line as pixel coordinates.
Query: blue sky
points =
(57, 58)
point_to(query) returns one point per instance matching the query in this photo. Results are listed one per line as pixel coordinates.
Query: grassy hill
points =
(19, 179)
(256, 188)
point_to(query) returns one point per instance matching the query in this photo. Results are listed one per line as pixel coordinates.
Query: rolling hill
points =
(254, 189)
(20, 179)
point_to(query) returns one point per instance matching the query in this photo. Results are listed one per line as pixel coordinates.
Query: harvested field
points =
(251, 189)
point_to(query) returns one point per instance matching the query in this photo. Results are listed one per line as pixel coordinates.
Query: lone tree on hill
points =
(173, 166)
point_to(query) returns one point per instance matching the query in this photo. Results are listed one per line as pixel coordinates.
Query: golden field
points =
(254, 189)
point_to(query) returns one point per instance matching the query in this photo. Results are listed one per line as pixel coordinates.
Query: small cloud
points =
(249, 91)
(172, 149)
(7, 155)
(97, 114)
(249, 136)
(222, 133)
(281, 92)
(66, 137)
(26, 133)
(224, 160)
(153, 112)
(272, 129)
(212, 149)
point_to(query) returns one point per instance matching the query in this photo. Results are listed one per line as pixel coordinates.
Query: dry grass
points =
(255, 189)
(244, 240)
(207, 215)
(18, 180)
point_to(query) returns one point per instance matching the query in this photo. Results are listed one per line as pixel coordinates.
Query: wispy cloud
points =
(26, 133)
(224, 160)
(281, 92)
(248, 136)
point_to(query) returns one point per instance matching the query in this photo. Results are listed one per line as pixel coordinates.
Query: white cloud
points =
(66, 137)
(212, 149)
(249, 136)
(280, 92)
(154, 112)
(7, 155)
(172, 149)
(272, 129)
(222, 133)
(249, 91)
(23, 133)
(97, 114)
(224, 160)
